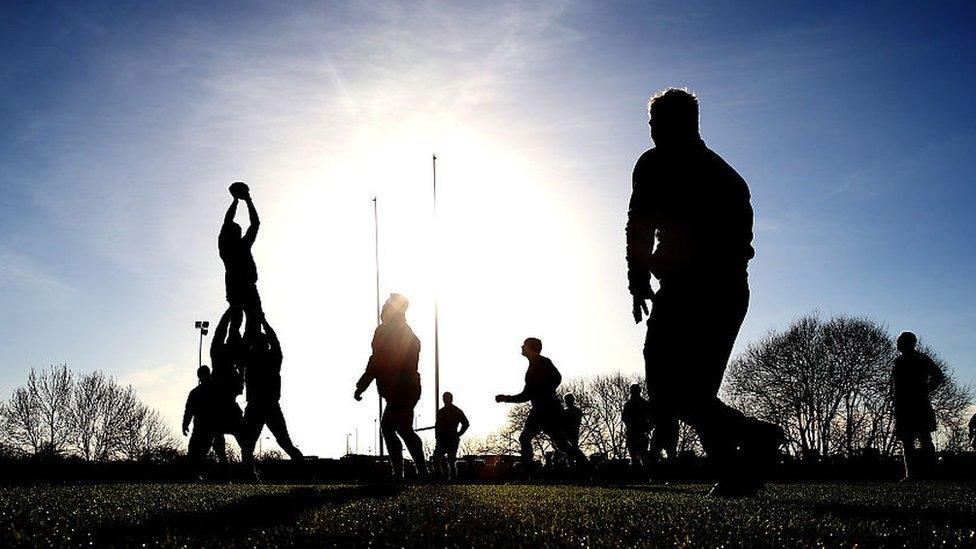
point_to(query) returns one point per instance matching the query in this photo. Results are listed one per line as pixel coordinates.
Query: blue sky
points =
(123, 125)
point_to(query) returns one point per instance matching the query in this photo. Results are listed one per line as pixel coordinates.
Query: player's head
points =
(570, 399)
(231, 231)
(203, 374)
(635, 390)
(395, 307)
(448, 398)
(531, 347)
(673, 116)
(906, 342)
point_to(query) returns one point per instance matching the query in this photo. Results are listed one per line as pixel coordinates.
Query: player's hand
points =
(500, 398)
(186, 431)
(640, 309)
(358, 396)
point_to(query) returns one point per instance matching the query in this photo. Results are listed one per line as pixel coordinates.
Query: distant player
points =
(202, 409)
(541, 381)
(637, 421)
(451, 424)
(914, 377)
(574, 419)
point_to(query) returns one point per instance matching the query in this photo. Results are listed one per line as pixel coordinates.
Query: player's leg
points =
(275, 420)
(393, 445)
(531, 430)
(412, 440)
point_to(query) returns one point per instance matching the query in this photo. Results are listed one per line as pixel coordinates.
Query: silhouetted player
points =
(697, 207)
(574, 419)
(541, 381)
(226, 351)
(202, 408)
(262, 377)
(451, 424)
(393, 364)
(914, 377)
(636, 417)
(241, 274)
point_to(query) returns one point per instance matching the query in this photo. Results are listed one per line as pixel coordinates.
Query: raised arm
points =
(252, 214)
(220, 332)
(231, 212)
(271, 334)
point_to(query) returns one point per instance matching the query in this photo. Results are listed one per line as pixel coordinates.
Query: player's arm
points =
(231, 212)
(640, 242)
(220, 332)
(519, 398)
(370, 374)
(255, 223)
(272, 336)
(187, 414)
(464, 424)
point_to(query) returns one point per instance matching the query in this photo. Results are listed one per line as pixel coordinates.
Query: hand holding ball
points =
(239, 190)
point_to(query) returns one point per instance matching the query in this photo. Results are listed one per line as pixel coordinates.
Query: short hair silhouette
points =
(907, 340)
(635, 389)
(570, 398)
(203, 373)
(674, 115)
(534, 343)
(448, 397)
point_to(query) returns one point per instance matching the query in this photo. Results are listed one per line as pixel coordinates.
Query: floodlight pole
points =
(376, 250)
(437, 349)
(203, 327)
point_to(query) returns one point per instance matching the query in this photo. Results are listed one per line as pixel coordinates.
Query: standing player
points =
(451, 424)
(393, 364)
(914, 377)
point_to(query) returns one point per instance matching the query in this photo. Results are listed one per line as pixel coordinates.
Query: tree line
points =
(91, 416)
(827, 382)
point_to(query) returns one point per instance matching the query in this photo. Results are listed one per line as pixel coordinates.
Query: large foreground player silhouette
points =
(697, 207)
(393, 364)
(547, 415)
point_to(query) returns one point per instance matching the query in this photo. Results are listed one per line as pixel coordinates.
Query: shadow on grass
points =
(953, 518)
(240, 517)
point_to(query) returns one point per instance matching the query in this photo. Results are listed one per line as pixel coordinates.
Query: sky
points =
(121, 127)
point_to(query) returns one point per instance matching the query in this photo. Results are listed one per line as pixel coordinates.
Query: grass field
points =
(472, 515)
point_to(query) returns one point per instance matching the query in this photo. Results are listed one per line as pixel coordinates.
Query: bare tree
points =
(53, 389)
(827, 383)
(22, 419)
(87, 403)
(144, 434)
